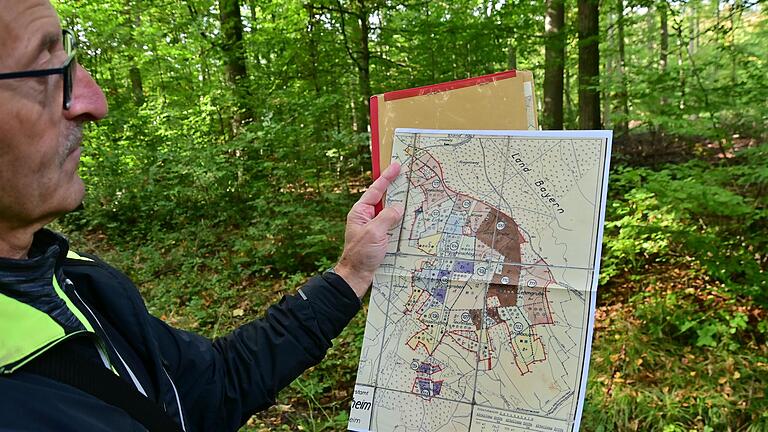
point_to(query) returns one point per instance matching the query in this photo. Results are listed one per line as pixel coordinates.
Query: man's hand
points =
(365, 239)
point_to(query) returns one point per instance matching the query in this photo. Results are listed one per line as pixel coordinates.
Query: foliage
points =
(641, 380)
(715, 216)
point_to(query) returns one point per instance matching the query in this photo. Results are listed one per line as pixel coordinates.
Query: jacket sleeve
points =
(223, 382)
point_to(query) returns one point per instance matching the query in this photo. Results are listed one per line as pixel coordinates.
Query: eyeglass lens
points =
(69, 75)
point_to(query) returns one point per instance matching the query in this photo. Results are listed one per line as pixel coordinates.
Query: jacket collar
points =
(32, 281)
(34, 311)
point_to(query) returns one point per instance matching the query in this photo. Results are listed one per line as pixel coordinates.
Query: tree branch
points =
(346, 40)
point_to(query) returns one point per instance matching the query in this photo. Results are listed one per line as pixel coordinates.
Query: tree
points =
(134, 73)
(589, 64)
(355, 29)
(234, 59)
(663, 36)
(554, 64)
(622, 97)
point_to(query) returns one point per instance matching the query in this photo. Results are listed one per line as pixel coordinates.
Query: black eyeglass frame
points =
(70, 47)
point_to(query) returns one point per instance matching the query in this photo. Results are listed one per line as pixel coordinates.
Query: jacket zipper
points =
(136, 382)
(178, 400)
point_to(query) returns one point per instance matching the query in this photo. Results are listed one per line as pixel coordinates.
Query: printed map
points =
(480, 318)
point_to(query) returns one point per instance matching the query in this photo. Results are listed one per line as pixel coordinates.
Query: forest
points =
(238, 139)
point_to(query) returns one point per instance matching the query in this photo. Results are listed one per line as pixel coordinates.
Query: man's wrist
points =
(356, 280)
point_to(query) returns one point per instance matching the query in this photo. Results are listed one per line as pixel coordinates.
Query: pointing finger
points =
(374, 193)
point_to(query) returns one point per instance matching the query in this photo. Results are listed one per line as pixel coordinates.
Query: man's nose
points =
(88, 101)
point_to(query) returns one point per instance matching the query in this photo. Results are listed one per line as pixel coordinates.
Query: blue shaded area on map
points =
(464, 267)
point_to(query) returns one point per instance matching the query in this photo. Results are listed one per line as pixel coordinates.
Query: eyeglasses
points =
(70, 47)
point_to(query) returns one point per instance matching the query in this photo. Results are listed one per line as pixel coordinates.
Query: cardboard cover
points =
(500, 101)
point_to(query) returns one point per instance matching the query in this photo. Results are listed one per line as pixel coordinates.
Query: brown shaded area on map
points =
(493, 313)
(507, 294)
(537, 305)
(477, 317)
(505, 241)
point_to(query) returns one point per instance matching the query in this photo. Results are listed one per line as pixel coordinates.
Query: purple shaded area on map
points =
(464, 267)
(429, 388)
(439, 294)
(425, 386)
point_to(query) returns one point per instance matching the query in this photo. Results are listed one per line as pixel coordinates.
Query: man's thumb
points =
(390, 216)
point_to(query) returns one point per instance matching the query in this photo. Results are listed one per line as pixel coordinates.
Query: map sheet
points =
(481, 316)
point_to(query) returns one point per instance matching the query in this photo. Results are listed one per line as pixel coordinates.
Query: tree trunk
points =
(252, 7)
(432, 54)
(716, 4)
(137, 85)
(622, 97)
(568, 114)
(554, 64)
(511, 55)
(664, 42)
(312, 24)
(692, 35)
(663, 47)
(735, 15)
(650, 25)
(360, 55)
(609, 71)
(363, 68)
(589, 65)
(319, 123)
(234, 58)
(680, 62)
(696, 26)
(134, 73)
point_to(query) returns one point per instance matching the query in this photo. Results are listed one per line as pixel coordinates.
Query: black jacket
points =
(69, 301)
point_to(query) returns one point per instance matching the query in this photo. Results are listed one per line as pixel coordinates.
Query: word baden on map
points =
(480, 318)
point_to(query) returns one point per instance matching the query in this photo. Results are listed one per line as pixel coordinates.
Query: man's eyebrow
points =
(46, 42)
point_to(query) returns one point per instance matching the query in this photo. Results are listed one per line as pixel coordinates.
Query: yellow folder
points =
(500, 101)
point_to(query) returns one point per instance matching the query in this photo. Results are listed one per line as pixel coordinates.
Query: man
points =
(66, 318)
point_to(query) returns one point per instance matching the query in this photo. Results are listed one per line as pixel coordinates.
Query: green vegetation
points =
(680, 342)
(222, 176)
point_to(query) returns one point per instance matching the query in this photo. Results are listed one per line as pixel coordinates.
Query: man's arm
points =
(222, 383)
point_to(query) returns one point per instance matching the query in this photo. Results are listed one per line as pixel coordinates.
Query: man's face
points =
(39, 140)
